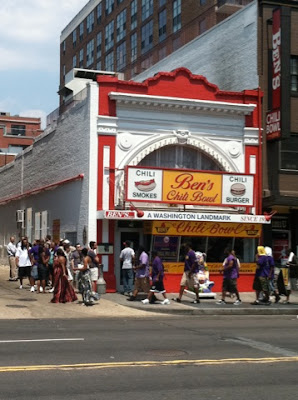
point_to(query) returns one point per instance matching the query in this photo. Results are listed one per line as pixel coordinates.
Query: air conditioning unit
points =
(20, 215)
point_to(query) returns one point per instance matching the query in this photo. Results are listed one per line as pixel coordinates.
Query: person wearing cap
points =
(127, 257)
(264, 271)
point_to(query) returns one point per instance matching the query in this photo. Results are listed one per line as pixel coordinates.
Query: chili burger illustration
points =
(238, 189)
(146, 185)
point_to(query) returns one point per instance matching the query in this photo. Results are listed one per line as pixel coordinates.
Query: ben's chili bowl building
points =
(178, 161)
(163, 162)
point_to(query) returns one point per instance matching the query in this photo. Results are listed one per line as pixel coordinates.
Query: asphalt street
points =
(166, 358)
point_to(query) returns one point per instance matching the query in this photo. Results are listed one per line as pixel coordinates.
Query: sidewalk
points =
(22, 304)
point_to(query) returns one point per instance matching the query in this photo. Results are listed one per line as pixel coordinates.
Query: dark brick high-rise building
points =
(129, 36)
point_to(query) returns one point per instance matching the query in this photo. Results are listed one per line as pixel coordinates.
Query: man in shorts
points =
(142, 282)
(230, 275)
(157, 281)
(190, 275)
(94, 265)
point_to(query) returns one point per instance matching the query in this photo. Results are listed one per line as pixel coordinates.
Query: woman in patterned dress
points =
(63, 292)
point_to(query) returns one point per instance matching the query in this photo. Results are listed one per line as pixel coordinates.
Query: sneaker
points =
(125, 294)
(40, 290)
(131, 298)
(166, 302)
(255, 303)
(196, 301)
(221, 302)
(21, 287)
(32, 289)
(145, 301)
(51, 290)
(177, 300)
(237, 302)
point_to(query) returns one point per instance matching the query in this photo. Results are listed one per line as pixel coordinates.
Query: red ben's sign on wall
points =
(273, 124)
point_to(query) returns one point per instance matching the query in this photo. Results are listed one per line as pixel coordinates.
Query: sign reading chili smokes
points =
(152, 185)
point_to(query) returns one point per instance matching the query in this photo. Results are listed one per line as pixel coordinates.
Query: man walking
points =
(127, 257)
(230, 275)
(189, 277)
(142, 282)
(11, 253)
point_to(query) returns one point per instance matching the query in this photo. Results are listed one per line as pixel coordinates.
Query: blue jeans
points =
(127, 280)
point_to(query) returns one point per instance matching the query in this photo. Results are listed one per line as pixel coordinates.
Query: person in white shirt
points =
(24, 263)
(127, 257)
(11, 253)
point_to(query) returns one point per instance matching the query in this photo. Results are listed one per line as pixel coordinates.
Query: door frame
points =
(118, 248)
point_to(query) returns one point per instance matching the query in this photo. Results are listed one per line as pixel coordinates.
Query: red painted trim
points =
(106, 141)
(110, 274)
(41, 189)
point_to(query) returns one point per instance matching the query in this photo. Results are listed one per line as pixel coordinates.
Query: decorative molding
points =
(155, 143)
(107, 126)
(182, 136)
(176, 103)
(124, 140)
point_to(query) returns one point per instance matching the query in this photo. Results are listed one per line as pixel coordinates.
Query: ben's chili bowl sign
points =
(188, 187)
(215, 229)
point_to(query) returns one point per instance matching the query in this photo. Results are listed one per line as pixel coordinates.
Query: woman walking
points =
(63, 292)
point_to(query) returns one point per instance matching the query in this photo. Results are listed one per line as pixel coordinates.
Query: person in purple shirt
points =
(263, 275)
(190, 276)
(142, 282)
(157, 280)
(230, 275)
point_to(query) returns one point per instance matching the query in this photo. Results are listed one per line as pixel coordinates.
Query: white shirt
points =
(24, 259)
(11, 249)
(126, 256)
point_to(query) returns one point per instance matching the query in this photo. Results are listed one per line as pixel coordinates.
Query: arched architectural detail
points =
(155, 143)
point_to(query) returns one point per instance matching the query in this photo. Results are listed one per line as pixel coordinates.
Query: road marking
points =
(41, 340)
(148, 364)
(262, 346)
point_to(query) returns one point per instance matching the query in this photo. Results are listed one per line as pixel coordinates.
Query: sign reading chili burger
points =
(154, 185)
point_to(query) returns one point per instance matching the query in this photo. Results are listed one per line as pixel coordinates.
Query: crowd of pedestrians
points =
(56, 268)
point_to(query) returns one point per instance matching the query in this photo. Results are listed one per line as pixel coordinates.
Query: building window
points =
(162, 25)
(162, 53)
(134, 15)
(74, 61)
(98, 44)
(98, 65)
(176, 43)
(74, 38)
(63, 47)
(121, 25)
(90, 22)
(294, 74)
(109, 35)
(147, 63)
(121, 56)
(90, 53)
(176, 15)
(110, 4)
(109, 62)
(63, 71)
(174, 156)
(81, 58)
(203, 2)
(202, 26)
(18, 130)
(133, 47)
(81, 29)
(99, 13)
(147, 9)
(162, 3)
(147, 37)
